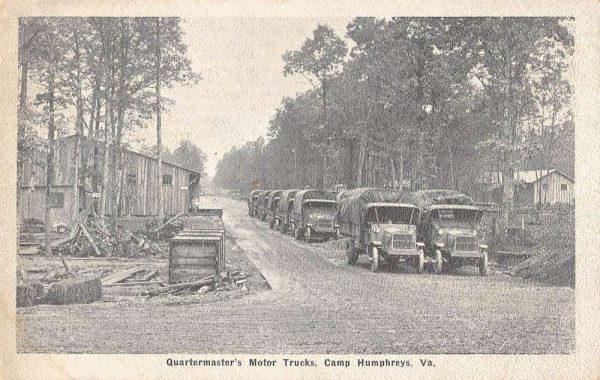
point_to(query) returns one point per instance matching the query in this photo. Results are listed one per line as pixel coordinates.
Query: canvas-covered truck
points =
(377, 223)
(285, 207)
(272, 202)
(263, 198)
(450, 228)
(253, 203)
(313, 215)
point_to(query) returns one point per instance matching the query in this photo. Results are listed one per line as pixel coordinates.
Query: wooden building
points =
(139, 184)
(532, 187)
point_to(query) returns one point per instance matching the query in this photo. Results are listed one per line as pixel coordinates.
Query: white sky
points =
(243, 83)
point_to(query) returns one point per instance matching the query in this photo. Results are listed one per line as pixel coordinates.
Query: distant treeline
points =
(428, 102)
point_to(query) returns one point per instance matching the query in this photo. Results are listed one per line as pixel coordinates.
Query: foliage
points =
(428, 102)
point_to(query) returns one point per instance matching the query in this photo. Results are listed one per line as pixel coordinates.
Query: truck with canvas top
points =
(263, 198)
(272, 202)
(313, 215)
(450, 228)
(253, 203)
(285, 207)
(379, 224)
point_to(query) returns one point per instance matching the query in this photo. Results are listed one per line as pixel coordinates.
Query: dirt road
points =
(319, 305)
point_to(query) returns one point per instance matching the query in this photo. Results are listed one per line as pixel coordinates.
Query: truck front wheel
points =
(420, 261)
(351, 255)
(483, 264)
(438, 264)
(374, 259)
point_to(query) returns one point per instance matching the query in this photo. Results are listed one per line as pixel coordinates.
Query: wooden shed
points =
(139, 184)
(548, 186)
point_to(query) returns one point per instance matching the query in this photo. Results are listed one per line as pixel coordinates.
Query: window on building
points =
(167, 179)
(56, 200)
(563, 187)
(131, 179)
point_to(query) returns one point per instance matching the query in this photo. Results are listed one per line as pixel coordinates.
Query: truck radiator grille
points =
(466, 243)
(323, 223)
(403, 241)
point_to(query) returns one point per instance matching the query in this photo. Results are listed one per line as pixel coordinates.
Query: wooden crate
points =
(195, 256)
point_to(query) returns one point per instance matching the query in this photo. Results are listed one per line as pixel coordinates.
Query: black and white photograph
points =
(223, 189)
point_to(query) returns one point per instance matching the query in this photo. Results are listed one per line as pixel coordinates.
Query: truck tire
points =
(308, 235)
(420, 261)
(374, 259)
(297, 234)
(483, 264)
(351, 255)
(272, 224)
(438, 264)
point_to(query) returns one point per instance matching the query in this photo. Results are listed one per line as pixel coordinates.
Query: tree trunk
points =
(107, 135)
(49, 160)
(161, 199)
(79, 133)
(393, 170)
(24, 77)
(362, 150)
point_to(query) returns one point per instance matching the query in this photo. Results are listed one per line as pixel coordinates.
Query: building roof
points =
(523, 176)
(139, 154)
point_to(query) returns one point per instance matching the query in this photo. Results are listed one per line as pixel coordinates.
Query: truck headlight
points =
(483, 246)
(420, 245)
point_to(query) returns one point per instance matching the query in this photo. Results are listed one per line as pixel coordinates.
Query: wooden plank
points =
(123, 275)
(90, 239)
(150, 275)
(196, 261)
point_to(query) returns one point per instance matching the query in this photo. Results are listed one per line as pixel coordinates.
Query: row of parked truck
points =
(435, 228)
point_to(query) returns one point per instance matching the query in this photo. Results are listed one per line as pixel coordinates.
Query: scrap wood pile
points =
(89, 237)
(57, 286)
(226, 280)
(132, 277)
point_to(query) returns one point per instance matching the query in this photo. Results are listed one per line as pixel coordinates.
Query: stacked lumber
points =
(89, 237)
(222, 281)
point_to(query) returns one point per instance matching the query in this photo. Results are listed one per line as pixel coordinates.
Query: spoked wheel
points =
(438, 264)
(374, 259)
(420, 261)
(483, 265)
(351, 256)
(392, 263)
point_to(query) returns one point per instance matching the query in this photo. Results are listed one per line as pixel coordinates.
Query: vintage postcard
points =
(299, 190)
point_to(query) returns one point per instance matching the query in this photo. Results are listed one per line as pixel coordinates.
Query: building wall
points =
(32, 204)
(551, 191)
(140, 193)
(141, 188)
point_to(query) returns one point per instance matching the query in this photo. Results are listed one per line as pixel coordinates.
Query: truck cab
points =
(452, 232)
(391, 233)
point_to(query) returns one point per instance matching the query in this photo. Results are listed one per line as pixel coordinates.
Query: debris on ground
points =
(89, 237)
(226, 280)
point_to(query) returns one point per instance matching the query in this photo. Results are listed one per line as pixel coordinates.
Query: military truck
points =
(377, 223)
(272, 202)
(285, 207)
(263, 198)
(253, 203)
(450, 228)
(313, 215)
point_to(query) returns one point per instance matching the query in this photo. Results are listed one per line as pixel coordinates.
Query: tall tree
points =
(320, 58)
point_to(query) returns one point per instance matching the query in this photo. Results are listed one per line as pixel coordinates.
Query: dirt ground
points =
(318, 305)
